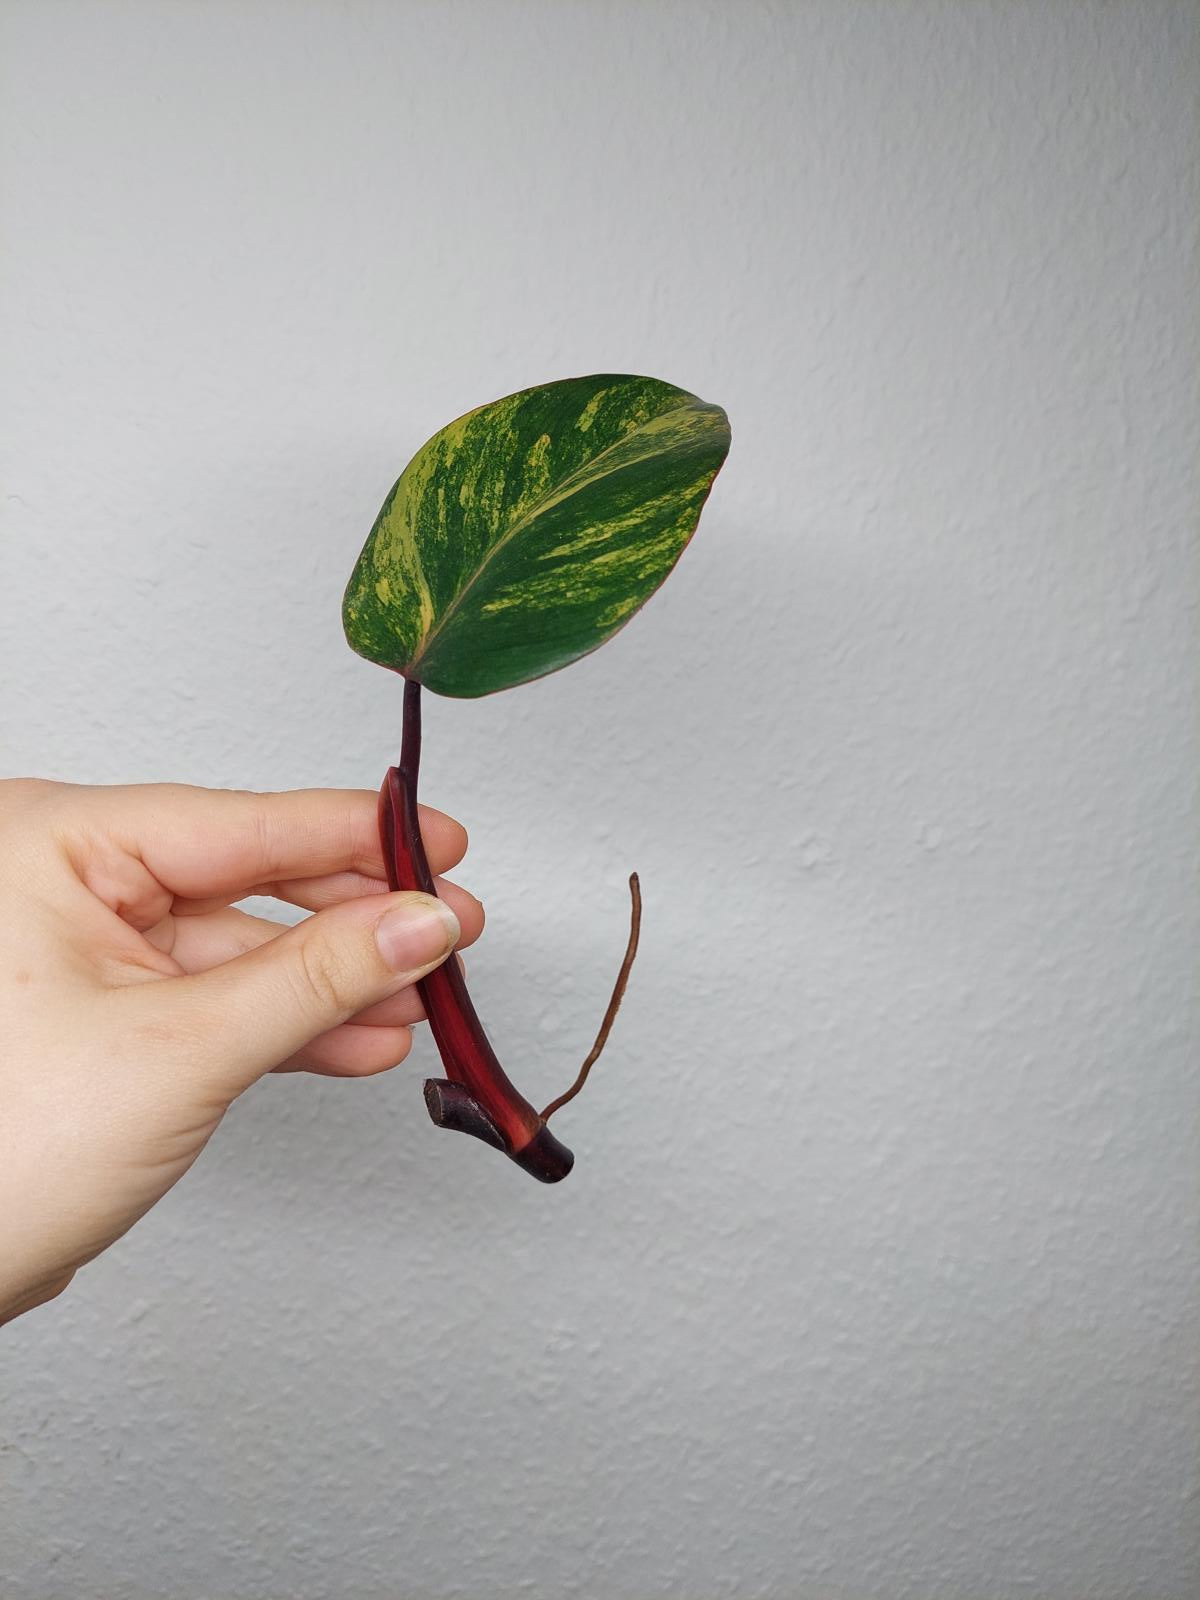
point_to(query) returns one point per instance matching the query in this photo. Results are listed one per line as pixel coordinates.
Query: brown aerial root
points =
(614, 1004)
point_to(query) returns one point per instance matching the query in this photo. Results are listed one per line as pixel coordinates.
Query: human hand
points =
(136, 1002)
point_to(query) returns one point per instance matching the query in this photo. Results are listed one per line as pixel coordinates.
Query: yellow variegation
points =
(526, 533)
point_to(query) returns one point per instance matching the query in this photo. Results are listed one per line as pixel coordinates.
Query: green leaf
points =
(522, 536)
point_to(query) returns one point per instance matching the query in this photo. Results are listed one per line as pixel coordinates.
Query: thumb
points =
(255, 1011)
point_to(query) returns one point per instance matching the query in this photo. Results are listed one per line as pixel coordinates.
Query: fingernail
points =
(416, 933)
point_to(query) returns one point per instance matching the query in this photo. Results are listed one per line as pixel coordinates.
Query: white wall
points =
(876, 1275)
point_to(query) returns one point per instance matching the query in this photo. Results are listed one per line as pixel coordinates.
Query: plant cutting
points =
(518, 539)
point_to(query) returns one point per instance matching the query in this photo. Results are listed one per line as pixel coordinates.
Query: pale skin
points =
(137, 1002)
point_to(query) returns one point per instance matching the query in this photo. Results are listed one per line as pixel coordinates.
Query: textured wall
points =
(876, 1276)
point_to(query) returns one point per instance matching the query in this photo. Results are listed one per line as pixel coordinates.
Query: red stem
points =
(478, 1097)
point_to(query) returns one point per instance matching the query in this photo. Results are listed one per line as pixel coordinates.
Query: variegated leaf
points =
(526, 533)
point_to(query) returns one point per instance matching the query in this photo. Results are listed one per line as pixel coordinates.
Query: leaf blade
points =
(524, 534)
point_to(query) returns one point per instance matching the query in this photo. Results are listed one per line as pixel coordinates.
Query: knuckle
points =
(265, 830)
(24, 794)
(31, 813)
(325, 979)
(264, 833)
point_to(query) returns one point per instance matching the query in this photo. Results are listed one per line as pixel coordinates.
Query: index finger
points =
(200, 843)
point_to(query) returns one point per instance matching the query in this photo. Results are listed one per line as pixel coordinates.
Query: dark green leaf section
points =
(523, 535)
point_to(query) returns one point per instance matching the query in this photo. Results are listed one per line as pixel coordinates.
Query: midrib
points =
(569, 486)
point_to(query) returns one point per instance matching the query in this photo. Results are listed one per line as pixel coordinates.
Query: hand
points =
(136, 1003)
